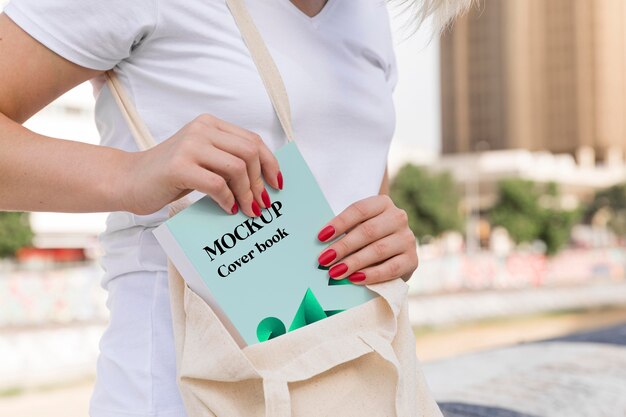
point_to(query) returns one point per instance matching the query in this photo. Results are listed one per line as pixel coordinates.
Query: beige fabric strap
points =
(264, 63)
(138, 128)
(260, 55)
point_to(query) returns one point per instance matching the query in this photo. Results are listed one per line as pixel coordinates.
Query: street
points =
(471, 371)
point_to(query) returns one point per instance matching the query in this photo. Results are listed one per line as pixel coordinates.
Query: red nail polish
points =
(235, 208)
(338, 270)
(327, 256)
(266, 198)
(279, 177)
(356, 277)
(326, 233)
(256, 209)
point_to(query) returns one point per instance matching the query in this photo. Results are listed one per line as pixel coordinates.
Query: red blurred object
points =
(54, 255)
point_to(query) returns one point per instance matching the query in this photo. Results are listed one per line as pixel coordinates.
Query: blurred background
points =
(510, 159)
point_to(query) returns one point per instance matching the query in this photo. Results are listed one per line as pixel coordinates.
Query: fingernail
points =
(279, 177)
(266, 198)
(256, 209)
(338, 270)
(327, 256)
(356, 277)
(235, 208)
(326, 233)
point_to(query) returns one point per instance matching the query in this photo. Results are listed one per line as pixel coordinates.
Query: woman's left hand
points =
(377, 246)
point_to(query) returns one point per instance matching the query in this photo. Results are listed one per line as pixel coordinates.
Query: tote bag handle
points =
(268, 71)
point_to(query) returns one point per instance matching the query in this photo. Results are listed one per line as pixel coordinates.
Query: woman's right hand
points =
(224, 161)
(40, 173)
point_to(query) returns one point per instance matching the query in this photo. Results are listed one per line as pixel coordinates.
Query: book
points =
(260, 275)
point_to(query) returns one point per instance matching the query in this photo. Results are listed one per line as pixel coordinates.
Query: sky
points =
(417, 93)
(418, 127)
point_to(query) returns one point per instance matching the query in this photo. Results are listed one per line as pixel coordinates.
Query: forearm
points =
(40, 173)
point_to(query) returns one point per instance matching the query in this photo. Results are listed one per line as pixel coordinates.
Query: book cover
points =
(260, 274)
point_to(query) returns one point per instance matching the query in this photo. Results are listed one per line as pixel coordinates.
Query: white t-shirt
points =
(182, 59)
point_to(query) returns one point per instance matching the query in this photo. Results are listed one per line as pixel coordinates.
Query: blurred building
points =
(478, 174)
(538, 75)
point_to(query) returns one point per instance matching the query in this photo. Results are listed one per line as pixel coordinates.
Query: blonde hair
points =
(441, 11)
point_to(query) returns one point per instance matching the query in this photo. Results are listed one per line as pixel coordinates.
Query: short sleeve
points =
(391, 67)
(91, 33)
(392, 70)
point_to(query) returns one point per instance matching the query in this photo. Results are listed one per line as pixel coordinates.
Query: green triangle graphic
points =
(309, 311)
(332, 312)
(344, 281)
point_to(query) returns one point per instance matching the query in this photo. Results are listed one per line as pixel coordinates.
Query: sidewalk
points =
(448, 309)
(72, 401)
(581, 375)
(451, 379)
(42, 355)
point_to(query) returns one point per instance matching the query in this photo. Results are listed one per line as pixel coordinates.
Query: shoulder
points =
(92, 33)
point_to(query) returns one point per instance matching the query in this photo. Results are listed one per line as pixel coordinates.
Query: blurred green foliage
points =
(530, 212)
(517, 210)
(431, 200)
(15, 233)
(613, 202)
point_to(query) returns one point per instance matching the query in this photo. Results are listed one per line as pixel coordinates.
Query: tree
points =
(612, 201)
(557, 226)
(430, 200)
(517, 210)
(15, 233)
(529, 212)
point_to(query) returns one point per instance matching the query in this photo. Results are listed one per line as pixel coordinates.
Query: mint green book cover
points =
(260, 275)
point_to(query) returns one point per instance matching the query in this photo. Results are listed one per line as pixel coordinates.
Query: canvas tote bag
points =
(358, 363)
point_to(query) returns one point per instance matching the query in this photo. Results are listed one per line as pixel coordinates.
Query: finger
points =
(248, 151)
(269, 163)
(235, 173)
(358, 237)
(376, 252)
(355, 213)
(211, 184)
(394, 267)
(269, 166)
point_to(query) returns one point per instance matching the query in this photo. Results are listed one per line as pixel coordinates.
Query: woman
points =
(194, 84)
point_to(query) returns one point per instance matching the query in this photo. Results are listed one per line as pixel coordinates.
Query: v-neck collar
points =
(312, 20)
